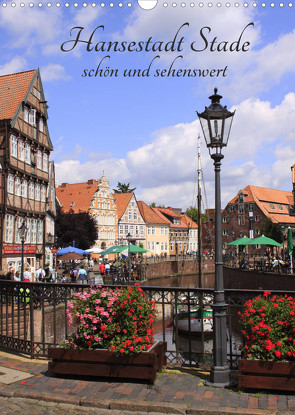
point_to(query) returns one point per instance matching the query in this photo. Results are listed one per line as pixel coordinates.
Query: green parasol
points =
(242, 241)
(264, 240)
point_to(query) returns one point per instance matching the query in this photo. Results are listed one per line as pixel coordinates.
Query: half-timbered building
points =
(25, 148)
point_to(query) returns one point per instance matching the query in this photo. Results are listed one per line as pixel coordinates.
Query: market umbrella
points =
(110, 250)
(264, 240)
(70, 256)
(95, 250)
(72, 249)
(134, 249)
(242, 241)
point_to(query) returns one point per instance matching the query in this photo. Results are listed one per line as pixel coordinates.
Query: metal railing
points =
(33, 318)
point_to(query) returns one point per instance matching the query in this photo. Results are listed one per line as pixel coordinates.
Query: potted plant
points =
(268, 323)
(112, 336)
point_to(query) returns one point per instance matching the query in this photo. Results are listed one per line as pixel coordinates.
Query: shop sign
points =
(17, 249)
(54, 250)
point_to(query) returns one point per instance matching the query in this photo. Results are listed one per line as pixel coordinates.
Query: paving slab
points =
(176, 391)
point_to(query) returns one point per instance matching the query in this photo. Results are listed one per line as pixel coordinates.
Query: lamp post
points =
(283, 240)
(22, 231)
(129, 259)
(216, 123)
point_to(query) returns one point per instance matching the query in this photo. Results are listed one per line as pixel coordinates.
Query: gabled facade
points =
(130, 220)
(157, 231)
(25, 148)
(94, 197)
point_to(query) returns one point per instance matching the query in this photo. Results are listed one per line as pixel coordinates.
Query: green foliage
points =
(272, 230)
(78, 227)
(192, 212)
(123, 188)
(268, 327)
(153, 205)
(119, 320)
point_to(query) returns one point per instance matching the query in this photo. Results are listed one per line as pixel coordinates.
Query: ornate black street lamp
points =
(216, 123)
(129, 258)
(22, 231)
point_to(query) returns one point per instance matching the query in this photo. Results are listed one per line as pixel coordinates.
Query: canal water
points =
(187, 348)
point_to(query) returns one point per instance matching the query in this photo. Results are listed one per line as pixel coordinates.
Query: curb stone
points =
(230, 411)
(95, 403)
(162, 407)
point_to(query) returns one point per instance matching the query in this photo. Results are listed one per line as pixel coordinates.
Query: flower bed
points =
(113, 328)
(269, 343)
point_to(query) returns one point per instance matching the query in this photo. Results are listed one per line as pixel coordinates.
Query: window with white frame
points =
(27, 153)
(18, 224)
(166, 246)
(37, 191)
(29, 230)
(131, 229)
(13, 145)
(41, 125)
(149, 230)
(10, 185)
(21, 153)
(39, 159)
(24, 188)
(31, 190)
(40, 232)
(162, 246)
(130, 215)
(32, 117)
(162, 230)
(45, 161)
(26, 114)
(171, 246)
(126, 229)
(17, 186)
(43, 193)
(34, 231)
(153, 230)
(9, 228)
(142, 229)
(121, 229)
(135, 215)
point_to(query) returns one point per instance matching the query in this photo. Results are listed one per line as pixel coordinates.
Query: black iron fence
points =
(33, 318)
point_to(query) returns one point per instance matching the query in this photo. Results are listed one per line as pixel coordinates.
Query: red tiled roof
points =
(150, 215)
(158, 212)
(13, 89)
(169, 212)
(189, 222)
(122, 200)
(80, 194)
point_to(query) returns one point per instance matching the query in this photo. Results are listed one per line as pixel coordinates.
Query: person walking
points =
(107, 268)
(82, 275)
(102, 268)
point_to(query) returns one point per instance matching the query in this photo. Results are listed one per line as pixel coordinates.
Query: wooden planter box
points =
(260, 374)
(103, 363)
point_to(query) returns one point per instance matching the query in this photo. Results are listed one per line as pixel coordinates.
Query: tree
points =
(123, 188)
(78, 227)
(154, 205)
(272, 230)
(192, 212)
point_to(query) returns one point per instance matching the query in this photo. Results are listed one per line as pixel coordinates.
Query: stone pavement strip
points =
(30, 389)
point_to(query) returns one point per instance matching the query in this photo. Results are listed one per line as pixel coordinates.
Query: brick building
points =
(25, 148)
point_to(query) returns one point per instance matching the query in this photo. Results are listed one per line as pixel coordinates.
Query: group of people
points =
(13, 275)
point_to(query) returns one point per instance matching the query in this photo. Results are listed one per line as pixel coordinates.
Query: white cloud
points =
(165, 170)
(17, 64)
(53, 72)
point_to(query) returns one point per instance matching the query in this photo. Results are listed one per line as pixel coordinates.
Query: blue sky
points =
(144, 129)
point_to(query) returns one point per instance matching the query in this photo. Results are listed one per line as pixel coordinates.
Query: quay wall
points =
(176, 268)
(250, 279)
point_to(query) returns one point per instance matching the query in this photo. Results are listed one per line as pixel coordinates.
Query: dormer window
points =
(241, 198)
(72, 204)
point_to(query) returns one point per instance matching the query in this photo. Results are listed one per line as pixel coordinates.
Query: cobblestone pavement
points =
(32, 391)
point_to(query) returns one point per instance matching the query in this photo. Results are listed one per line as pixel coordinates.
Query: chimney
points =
(91, 181)
(64, 185)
